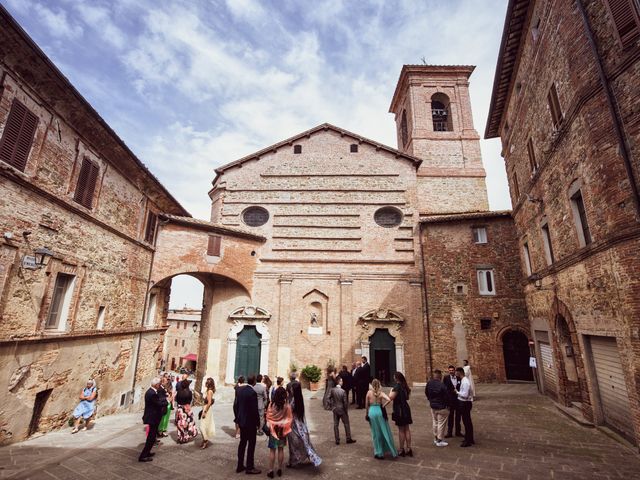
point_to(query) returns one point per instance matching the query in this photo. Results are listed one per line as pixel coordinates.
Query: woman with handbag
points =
(402, 413)
(278, 426)
(375, 403)
(207, 427)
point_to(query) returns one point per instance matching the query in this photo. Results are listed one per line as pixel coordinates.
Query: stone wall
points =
(591, 288)
(455, 306)
(100, 245)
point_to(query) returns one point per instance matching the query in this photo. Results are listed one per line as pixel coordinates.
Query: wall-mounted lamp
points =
(195, 327)
(568, 350)
(40, 259)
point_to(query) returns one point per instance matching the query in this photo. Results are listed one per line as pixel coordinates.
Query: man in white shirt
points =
(465, 402)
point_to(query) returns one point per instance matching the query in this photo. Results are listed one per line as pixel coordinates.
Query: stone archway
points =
(568, 357)
(249, 315)
(382, 319)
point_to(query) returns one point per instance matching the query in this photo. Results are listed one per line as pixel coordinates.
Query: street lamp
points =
(40, 259)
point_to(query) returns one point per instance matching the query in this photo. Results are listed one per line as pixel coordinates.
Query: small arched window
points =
(440, 113)
(404, 129)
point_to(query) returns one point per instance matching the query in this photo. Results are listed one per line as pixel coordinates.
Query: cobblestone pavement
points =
(519, 435)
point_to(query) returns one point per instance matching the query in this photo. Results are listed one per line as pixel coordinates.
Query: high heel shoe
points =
(270, 474)
(401, 453)
(409, 453)
(279, 472)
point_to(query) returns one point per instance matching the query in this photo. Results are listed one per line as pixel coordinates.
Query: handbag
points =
(265, 429)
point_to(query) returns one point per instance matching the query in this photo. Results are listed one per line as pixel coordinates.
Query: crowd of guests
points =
(278, 412)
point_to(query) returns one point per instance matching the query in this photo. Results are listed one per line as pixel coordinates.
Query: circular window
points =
(255, 216)
(388, 217)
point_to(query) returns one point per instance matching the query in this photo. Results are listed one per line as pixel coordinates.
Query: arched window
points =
(440, 113)
(404, 129)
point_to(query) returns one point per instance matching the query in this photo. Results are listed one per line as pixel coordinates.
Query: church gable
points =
(325, 195)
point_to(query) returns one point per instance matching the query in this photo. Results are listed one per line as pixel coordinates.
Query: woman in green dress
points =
(164, 422)
(376, 400)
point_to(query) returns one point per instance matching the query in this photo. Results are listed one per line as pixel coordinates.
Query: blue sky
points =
(190, 85)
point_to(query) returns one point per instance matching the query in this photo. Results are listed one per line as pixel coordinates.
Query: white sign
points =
(314, 330)
(532, 362)
(358, 351)
(29, 262)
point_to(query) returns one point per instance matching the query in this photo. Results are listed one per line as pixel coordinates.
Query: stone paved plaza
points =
(519, 434)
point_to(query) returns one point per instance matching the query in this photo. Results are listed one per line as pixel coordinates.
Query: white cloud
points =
(99, 18)
(57, 22)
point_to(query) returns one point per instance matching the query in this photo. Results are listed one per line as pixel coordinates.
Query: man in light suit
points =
(155, 406)
(340, 407)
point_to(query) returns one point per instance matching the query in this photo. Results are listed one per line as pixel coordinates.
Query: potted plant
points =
(312, 373)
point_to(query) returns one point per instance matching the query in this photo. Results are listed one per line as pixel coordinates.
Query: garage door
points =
(549, 373)
(611, 383)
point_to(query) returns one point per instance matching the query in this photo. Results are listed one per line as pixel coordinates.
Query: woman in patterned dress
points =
(300, 447)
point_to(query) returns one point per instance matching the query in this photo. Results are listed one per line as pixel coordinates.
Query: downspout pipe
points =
(426, 298)
(625, 151)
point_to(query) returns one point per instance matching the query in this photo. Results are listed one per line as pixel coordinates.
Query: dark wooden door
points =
(383, 356)
(248, 352)
(515, 346)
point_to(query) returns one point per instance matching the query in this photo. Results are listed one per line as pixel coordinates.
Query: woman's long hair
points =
(375, 386)
(210, 385)
(399, 377)
(298, 400)
(267, 381)
(280, 398)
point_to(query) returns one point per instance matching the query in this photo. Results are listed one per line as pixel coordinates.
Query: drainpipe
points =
(426, 298)
(613, 108)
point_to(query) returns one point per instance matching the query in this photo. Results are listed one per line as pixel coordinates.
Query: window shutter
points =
(150, 231)
(625, 18)
(213, 249)
(86, 185)
(17, 137)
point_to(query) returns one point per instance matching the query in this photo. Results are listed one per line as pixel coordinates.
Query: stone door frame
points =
(384, 319)
(249, 315)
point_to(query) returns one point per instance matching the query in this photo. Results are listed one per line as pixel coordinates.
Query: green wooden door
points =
(248, 352)
(383, 356)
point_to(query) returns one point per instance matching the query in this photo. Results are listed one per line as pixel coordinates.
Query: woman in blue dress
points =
(87, 406)
(375, 402)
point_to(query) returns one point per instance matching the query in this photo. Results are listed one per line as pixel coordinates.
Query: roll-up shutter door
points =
(611, 383)
(548, 366)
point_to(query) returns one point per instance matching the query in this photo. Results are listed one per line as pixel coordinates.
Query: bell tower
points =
(433, 117)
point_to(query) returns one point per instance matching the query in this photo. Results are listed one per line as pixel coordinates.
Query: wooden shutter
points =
(625, 17)
(150, 230)
(554, 106)
(213, 248)
(86, 185)
(17, 137)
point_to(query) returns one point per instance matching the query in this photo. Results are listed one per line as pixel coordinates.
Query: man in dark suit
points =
(246, 412)
(363, 377)
(452, 384)
(353, 383)
(155, 406)
(347, 380)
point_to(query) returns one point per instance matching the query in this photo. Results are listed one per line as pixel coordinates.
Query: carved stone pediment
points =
(250, 312)
(381, 315)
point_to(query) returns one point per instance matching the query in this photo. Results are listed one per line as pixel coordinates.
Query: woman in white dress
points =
(207, 427)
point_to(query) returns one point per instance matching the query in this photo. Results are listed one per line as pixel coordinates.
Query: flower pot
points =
(313, 386)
